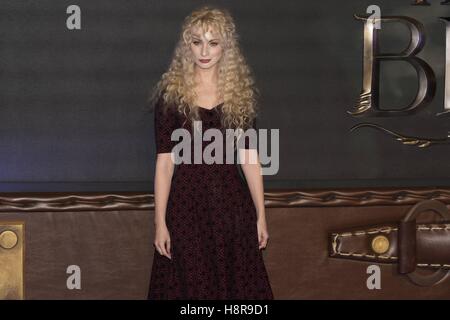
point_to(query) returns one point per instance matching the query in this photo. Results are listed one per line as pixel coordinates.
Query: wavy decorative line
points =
(359, 197)
(407, 140)
(273, 199)
(75, 202)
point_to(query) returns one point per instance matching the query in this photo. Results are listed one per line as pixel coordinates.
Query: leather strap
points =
(407, 245)
(404, 242)
(423, 245)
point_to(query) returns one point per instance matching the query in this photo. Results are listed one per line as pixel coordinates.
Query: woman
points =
(210, 224)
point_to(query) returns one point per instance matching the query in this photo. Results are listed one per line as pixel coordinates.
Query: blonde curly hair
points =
(236, 85)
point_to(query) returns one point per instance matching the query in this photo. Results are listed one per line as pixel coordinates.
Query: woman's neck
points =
(206, 77)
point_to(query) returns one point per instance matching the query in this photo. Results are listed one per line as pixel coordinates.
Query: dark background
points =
(73, 102)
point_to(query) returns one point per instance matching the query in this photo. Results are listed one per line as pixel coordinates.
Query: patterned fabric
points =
(211, 219)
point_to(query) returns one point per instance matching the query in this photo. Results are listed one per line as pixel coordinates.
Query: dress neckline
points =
(211, 108)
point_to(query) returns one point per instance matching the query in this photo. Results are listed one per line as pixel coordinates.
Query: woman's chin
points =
(205, 65)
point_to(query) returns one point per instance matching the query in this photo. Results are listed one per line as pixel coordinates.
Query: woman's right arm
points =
(165, 123)
(163, 179)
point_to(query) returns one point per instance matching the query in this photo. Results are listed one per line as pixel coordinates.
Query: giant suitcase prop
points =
(332, 244)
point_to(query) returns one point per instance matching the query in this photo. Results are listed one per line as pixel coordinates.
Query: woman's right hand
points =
(162, 241)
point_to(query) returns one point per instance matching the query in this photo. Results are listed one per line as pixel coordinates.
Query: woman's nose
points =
(205, 50)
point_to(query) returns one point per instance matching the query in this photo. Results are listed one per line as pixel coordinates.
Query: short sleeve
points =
(247, 144)
(165, 124)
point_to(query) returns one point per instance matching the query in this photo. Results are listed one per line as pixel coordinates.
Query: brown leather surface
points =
(110, 237)
(300, 268)
(112, 248)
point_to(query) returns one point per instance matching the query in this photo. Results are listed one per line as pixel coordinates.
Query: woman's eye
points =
(196, 42)
(213, 44)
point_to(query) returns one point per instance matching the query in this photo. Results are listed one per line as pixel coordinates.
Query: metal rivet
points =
(8, 239)
(380, 244)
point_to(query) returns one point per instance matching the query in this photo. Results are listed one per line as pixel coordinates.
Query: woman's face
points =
(206, 47)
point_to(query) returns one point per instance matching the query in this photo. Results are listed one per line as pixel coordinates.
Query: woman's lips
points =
(205, 60)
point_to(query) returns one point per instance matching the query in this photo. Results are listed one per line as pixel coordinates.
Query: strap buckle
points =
(407, 243)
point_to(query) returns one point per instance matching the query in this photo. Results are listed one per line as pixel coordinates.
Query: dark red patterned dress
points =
(211, 219)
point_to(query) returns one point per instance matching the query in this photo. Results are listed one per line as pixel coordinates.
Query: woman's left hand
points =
(263, 235)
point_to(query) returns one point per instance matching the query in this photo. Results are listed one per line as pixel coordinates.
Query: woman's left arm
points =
(252, 170)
